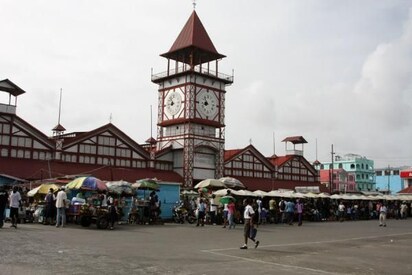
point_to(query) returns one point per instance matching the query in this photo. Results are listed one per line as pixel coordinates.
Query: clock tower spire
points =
(191, 104)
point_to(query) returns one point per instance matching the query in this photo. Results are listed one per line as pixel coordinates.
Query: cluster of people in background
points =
(291, 210)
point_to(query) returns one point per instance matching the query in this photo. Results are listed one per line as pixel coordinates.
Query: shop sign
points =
(406, 174)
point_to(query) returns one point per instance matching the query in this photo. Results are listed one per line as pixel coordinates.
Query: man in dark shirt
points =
(3, 202)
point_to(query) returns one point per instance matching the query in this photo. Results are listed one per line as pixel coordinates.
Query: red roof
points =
(193, 43)
(279, 161)
(407, 190)
(37, 169)
(231, 153)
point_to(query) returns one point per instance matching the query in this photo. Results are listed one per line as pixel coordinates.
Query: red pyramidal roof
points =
(193, 40)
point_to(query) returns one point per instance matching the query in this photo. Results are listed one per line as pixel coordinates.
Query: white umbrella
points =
(310, 195)
(260, 193)
(274, 193)
(336, 197)
(245, 193)
(298, 195)
(223, 192)
(323, 195)
(232, 183)
(210, 184)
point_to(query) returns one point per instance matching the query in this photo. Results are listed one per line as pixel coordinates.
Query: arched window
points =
(340, 165)
(352, 166)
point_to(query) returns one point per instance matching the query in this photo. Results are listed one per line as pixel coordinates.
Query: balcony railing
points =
(198, 69)
(294, 152)
(8, 109)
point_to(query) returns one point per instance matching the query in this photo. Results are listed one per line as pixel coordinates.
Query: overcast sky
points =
(335, 72)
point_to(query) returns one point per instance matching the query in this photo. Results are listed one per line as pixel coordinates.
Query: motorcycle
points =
(181, 214)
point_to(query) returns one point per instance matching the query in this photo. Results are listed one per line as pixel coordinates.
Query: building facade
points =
(190, 143)
(360, 169)
(388, 180)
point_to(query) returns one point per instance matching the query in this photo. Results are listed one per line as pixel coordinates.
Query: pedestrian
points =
(290, 211)
(382, 215)
(273, 210)
(15, 203)
(213, 209)
(201, 208)
(248, 227)
(112, 212)
(299, 210)
(341, 211)
(61, 207)
(259, 209)
(50, 207)
(231, 209)
(404, 210)
(3, 203)
(282, 207)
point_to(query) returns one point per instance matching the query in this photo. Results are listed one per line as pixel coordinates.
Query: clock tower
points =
(191, 105)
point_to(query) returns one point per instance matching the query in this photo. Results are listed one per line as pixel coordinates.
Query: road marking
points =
(218, 251)
(316, 271)
(317, 242)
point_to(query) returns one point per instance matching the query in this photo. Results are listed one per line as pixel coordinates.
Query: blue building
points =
(388, 180)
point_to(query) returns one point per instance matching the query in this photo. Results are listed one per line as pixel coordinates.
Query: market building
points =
(190, 144)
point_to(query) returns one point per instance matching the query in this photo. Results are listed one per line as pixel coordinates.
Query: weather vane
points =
(194, 4)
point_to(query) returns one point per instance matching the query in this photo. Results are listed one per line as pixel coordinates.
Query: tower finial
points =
(194, 4)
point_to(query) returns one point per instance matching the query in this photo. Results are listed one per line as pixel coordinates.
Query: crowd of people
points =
(292, 210)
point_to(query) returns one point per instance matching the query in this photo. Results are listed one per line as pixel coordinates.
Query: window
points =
(396, 172)
(352, 166)
(340, 165)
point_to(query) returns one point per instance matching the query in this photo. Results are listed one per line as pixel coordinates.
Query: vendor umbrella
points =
(86, 183)
(210, 184)
(232, 183)
(119, 187)
(43, 189)
(146, 184)
(227, 199)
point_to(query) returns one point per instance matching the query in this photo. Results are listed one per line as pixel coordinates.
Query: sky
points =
(333, 71)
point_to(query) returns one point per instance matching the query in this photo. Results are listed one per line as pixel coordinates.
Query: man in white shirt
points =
(15, 202)
(248, 218)
(61, 207)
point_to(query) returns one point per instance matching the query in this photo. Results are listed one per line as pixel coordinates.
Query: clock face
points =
(207, 103)
(173, 103)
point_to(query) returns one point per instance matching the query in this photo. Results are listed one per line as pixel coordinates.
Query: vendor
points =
(103, 199)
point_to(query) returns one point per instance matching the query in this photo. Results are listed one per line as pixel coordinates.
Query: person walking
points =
(231, 209)
(61, 207)
(290, 211)
(15, 203)
(272, 211)
(341, 211)
(282, 207)
(50, 206)
(382, 215)
(299, 210)
(248, 219)
(201, 208)
(212, 209)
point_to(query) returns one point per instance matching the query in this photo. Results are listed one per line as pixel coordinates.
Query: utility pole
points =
(389, 179)
(331, 174)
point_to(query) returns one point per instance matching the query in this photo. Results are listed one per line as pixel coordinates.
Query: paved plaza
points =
(360, 247)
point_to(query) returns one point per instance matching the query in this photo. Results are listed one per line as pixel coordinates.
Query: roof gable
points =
(110, 128)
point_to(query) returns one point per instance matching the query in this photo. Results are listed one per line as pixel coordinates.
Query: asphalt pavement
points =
(360, 247)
